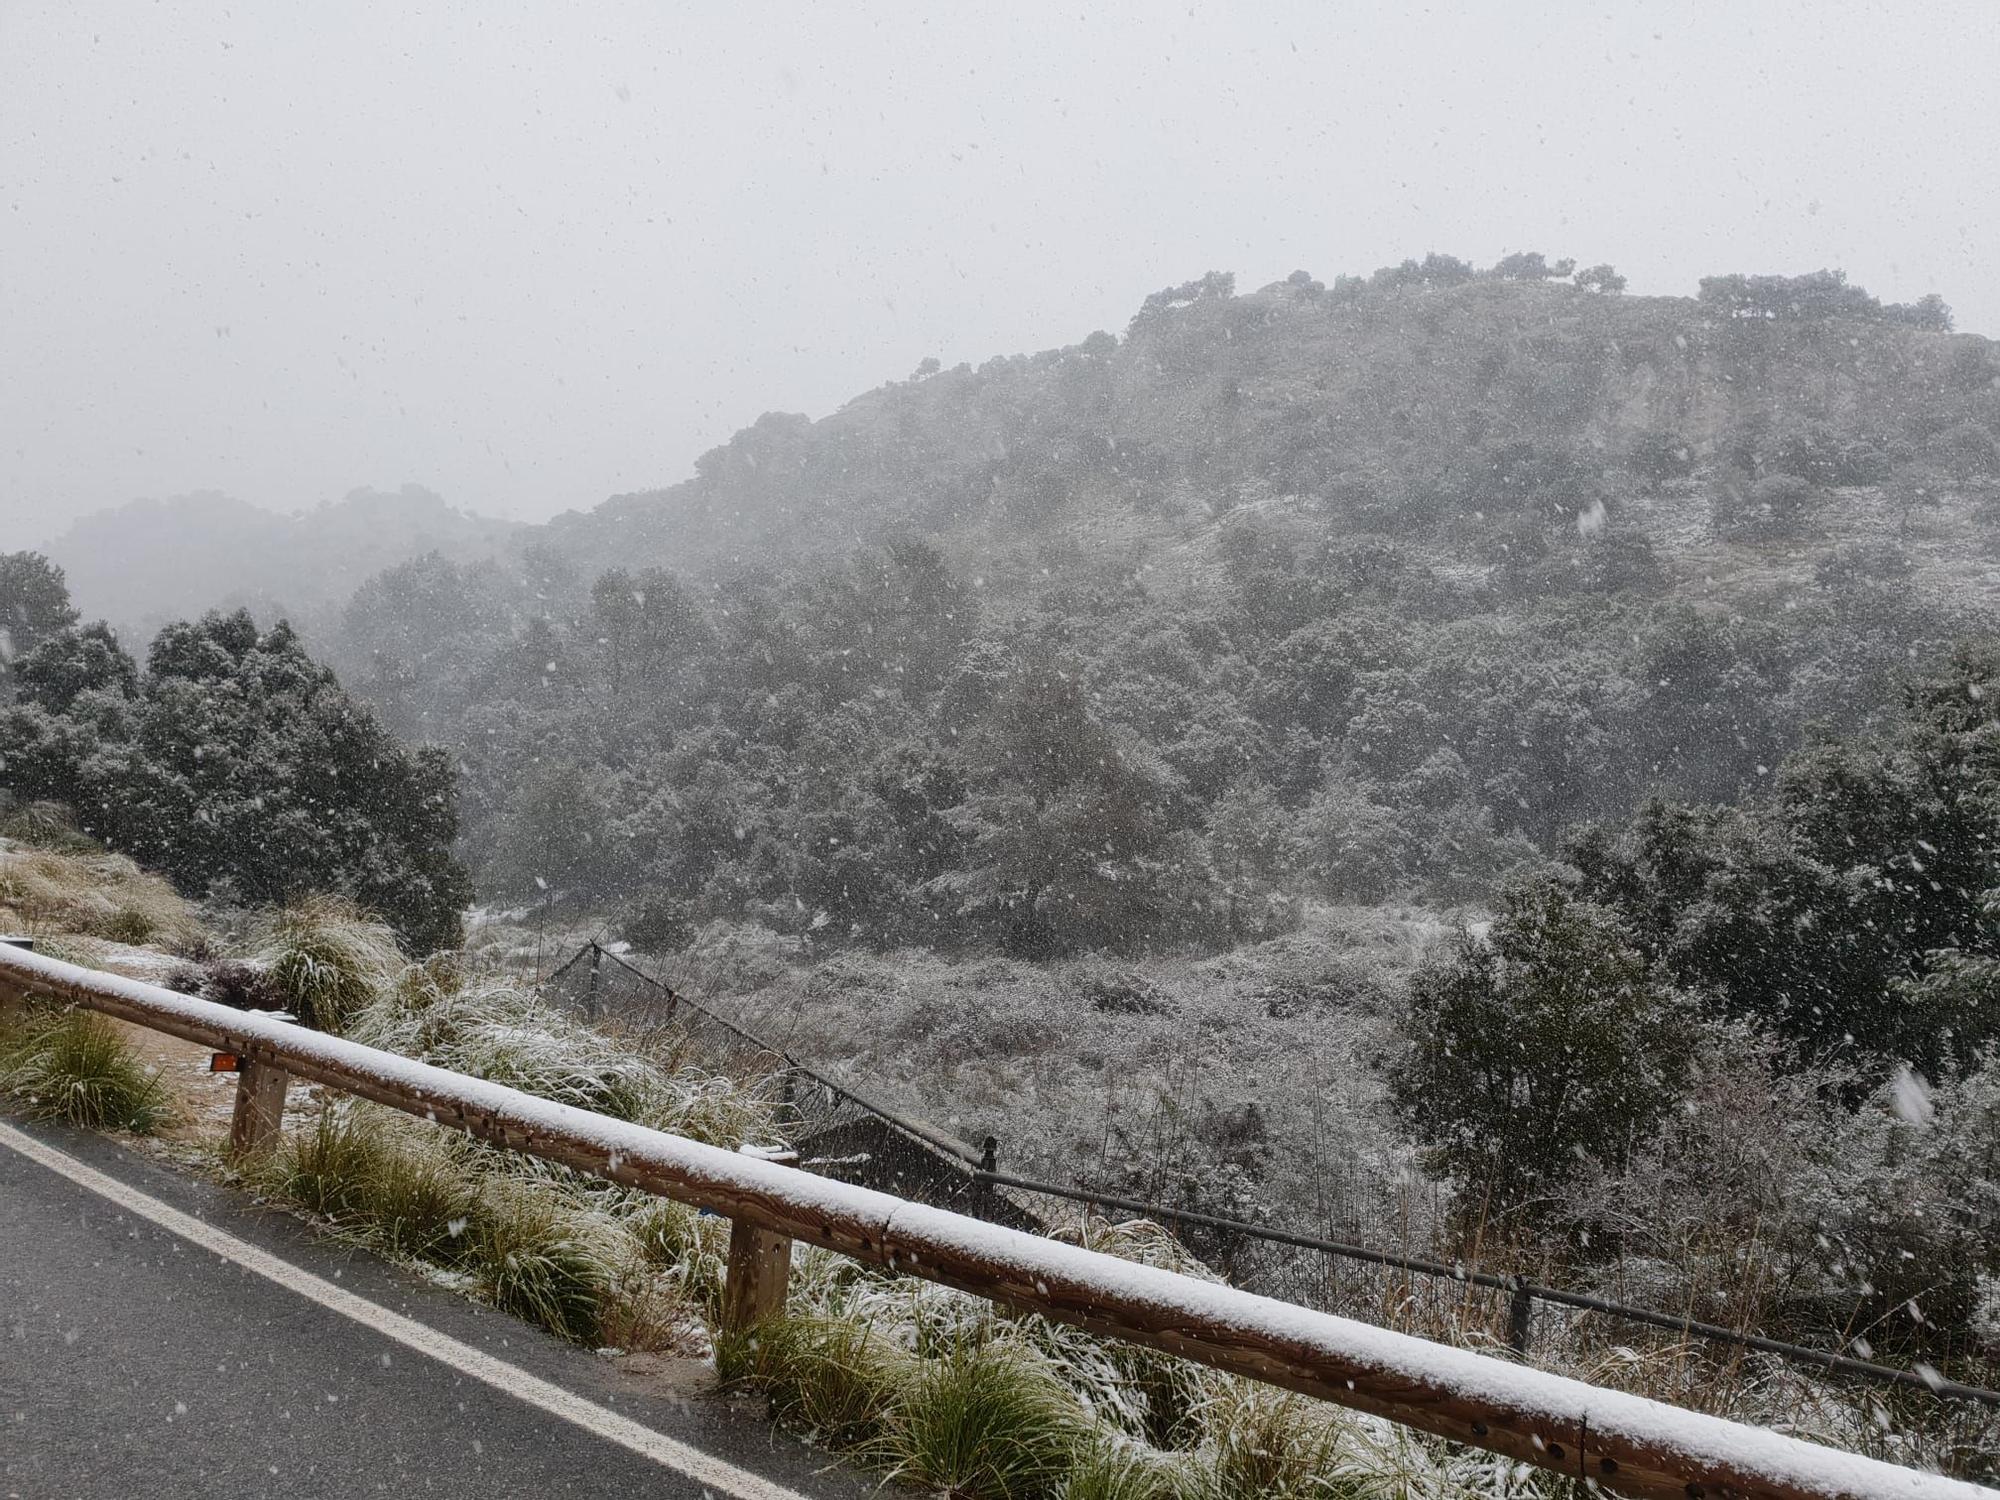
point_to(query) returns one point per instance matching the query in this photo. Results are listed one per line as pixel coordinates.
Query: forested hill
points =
(1423, 395)
(1090, 740)
(1322, 592)
(1342, 592)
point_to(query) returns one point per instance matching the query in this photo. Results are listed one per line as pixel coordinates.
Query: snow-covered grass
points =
(327, 958)
(832, 1378)
(582, 1258)
(563, 1255)
(490, 1027)
(986, 1419)
(539, 1259)
(940, 1388)
(76, 1067)
(689, 1248)
(587, 1260)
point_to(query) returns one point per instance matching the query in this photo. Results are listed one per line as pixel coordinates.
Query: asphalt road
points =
(142, 1360)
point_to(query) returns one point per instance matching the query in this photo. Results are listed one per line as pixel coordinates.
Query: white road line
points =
(510, 1380)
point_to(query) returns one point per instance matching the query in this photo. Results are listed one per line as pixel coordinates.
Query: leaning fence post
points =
(259, 1121)
(760, 1272)
(989, 1155)
(1520, 1310)
(590, 1000)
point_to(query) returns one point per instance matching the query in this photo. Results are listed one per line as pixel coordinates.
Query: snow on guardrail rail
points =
(1626, 1443)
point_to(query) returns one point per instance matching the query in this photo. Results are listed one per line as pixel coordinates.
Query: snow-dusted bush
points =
(327, 958)
(492, 1028)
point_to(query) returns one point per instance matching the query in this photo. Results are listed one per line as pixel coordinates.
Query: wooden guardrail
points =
(1623, 1442)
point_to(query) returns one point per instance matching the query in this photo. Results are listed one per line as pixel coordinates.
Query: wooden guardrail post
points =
(13, 998)
(259, 1121)
(760, 1272)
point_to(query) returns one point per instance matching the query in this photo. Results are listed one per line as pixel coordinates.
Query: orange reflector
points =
(224, 1062)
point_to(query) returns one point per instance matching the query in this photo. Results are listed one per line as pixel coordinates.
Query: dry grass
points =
(46, 825)
(53, 893)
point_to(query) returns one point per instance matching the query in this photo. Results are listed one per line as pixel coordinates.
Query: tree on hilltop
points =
(1529, 265)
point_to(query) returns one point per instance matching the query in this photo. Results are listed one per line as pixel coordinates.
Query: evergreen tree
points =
(34, 603)
(1069, 844)
(1537, 1049)
(237, 762)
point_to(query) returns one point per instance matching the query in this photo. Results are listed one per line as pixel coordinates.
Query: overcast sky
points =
(534, 255)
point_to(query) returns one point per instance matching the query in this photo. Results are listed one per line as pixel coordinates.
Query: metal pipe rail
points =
(1626, 1443)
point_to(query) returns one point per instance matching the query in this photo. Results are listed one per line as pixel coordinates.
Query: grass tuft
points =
(327, 958)
(422, 1205)
(1114, 1469)
(77, 1068)
(691, 1249)
(329, 1170)
(1264, 1445)
(543, 1264)
(826, 1376)
(641, 1314)
(988, 1422)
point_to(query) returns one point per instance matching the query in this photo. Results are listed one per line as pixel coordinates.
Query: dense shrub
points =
(1775, 506)
(1537, 1049)
(236, 762)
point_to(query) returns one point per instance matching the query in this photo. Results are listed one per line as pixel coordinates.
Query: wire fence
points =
(840, 1131)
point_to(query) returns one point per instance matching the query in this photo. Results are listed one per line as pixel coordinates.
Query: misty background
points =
(528, 263)
(1377, 621)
